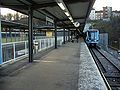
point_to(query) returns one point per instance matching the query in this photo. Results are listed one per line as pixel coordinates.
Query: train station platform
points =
(70, 67)
(89, 75)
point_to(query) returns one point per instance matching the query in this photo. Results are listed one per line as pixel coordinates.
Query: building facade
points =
(92, 15)
(107, 12)
(104, 14)
(115, 13)
(99, 15)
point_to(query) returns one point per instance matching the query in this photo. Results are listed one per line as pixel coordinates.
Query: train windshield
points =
(91, 35)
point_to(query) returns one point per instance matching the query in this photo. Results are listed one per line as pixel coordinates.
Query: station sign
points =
(49, 21)
(49, 33)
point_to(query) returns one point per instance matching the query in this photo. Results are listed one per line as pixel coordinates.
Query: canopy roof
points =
(78, 9)
(5, 23)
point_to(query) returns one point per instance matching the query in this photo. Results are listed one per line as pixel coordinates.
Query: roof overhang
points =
(15, 25)
(78, 9)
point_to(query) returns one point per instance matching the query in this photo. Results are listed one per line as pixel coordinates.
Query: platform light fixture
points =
(67, 14)
(72, 21)
(70, 18)
(61, 6)
(65, 10)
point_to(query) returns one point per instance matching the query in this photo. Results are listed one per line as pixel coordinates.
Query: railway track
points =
(108, 68)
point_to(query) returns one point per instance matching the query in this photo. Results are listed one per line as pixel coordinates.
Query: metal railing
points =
(17, 50)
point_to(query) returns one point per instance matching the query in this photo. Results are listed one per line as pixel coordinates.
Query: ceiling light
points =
(61, 6)
(65, 10)
(72, 21)
(67, 14)
(70, 18)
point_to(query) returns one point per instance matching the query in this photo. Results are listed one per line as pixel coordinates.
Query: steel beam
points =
(30, 34)
(10, 31)
(55, 25)
(75, 18)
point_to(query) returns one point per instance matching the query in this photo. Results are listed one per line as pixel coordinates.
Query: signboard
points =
(49, 21)
(21, 52)
(49, 33)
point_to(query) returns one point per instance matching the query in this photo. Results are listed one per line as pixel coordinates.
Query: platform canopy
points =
(16, 25)
(72, 10)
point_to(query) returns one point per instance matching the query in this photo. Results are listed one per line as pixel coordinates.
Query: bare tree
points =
(2, 17)
(16, 16)
(9, 16)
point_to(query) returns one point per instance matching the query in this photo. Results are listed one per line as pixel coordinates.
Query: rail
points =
(112, 69)
(100, 69)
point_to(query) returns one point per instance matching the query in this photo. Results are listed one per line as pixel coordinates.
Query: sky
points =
(4, 11)
(98, 5)
(115, 4)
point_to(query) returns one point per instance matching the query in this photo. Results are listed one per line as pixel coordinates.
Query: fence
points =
(17, 50)
(115, 52)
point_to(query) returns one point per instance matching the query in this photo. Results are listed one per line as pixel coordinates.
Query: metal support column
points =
(64, 36)
(71, 35)
(19, 35)
(55, 25)
(15, 36)
(10, 32)
(30, 34)
(34, 34)
(74, 33)
(6, 34)
(68, 35)
(1, 61)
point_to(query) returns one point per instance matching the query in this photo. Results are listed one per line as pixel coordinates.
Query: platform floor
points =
(58, 70)
(89, 75)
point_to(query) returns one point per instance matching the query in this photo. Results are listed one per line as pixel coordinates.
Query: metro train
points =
(92, 37)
